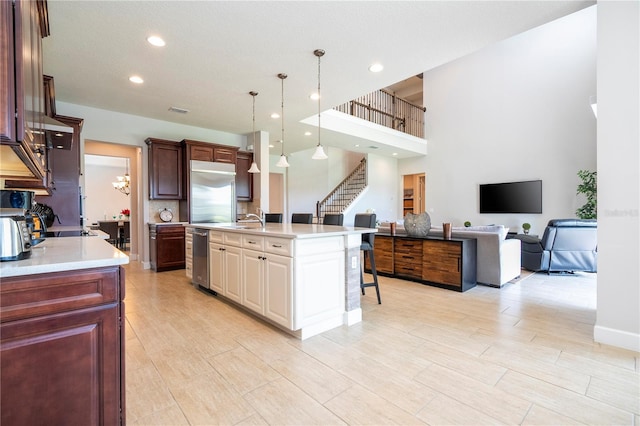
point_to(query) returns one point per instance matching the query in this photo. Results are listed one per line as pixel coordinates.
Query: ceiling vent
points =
(178, 110)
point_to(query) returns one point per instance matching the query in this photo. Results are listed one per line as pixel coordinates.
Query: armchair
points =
(566, 245)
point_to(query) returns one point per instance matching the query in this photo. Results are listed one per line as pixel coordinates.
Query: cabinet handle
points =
(276, 245)
(222, 249)
(251, 242)
(458, 264)
(153, 238)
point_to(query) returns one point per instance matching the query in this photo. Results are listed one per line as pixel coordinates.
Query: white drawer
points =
(188, 249)
(281, 246)
(233, 239)
(215, 237)
(253, 242)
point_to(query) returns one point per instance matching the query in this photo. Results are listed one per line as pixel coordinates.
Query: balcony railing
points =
(386, 109)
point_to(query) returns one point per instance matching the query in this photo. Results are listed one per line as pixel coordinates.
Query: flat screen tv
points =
(511, 197)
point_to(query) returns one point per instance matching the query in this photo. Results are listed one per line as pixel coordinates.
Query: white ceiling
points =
(218, 51)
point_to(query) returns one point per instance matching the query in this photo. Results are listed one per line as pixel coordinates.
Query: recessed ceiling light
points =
(314, 96)
(395, 153)
(275, 115)
(307, 133)
(357, 145)
(377, 67)
(156, 41)
(270, 145)
(136, 79)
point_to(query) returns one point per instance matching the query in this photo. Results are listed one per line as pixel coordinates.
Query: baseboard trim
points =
(617, 338)
(353, 317)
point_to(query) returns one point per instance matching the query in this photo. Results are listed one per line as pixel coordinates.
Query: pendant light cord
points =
(282, 76)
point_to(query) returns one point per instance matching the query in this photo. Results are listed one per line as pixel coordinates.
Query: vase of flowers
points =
(125, 212)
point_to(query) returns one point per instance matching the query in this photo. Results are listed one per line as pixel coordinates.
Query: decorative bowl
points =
(417, 225)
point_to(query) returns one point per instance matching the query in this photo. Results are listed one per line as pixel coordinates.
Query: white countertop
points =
(285, 230)
(65, 254)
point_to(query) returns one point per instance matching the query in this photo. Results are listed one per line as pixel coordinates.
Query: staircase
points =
(345, 193)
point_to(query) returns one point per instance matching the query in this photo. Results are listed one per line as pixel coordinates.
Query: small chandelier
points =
(123, 183)
(254, 167)
(282, 162)
(319, 154)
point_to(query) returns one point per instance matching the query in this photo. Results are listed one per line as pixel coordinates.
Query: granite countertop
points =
(65, 254)
(284, 230)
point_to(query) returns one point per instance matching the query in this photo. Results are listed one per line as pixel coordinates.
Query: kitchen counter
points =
(65, 254)
(284, 230)
(302, 278)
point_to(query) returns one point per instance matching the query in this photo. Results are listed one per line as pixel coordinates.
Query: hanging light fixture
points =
(282, 162)
(319, 154)
(123, 182)
(254, 167)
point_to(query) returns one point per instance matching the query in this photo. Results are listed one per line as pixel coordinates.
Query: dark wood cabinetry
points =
(204, 151)
(165, 169)
(62, 348)
(450, 263)
(443, 263)
(24, 23)
(244, 179)
(407, 258)
(166, 247)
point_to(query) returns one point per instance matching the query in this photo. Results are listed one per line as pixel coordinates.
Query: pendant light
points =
(319, 154)
(283, 158)
(123, 183)
(254, 167)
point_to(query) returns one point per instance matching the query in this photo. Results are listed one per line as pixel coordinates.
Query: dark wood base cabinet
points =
(449, 264)
(62, 348)
(166, 247)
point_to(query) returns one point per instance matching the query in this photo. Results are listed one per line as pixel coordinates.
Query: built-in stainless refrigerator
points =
(213, 192)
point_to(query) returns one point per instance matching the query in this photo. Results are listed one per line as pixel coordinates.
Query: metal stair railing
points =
(344, 193)
(386, 109)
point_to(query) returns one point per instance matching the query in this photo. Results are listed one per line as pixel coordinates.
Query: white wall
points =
(310, 181)
(516, 110)
(618, 317)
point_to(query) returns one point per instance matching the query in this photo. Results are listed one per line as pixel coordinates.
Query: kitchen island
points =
(305, 279)
(62, 334)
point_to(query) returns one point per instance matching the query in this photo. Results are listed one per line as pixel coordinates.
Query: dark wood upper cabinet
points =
(23, 24)
(203, 151)
(165, 169)
(244, 179)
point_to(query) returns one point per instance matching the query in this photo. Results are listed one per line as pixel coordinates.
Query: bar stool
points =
(306, 218)
(273, 217)
(368, 220)
(333, 219)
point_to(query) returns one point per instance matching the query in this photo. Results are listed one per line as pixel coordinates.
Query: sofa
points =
(498, 258)
(567, 245)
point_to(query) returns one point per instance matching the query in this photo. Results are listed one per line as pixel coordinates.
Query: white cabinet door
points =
(253, 280)
(216, 268)
(233, 273)
(319, 288)
(278, 300)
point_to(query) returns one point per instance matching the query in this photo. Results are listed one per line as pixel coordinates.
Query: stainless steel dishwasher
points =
(200, 266)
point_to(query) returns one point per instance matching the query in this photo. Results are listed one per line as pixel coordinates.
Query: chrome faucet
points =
(260, 219)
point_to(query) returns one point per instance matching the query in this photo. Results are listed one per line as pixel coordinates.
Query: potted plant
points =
(467, 224)
(588, 187)
(525, 227)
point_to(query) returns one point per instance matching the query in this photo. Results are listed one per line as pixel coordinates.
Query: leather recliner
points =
(567, 245)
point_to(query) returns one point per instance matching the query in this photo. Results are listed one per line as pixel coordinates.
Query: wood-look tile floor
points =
(523, 354)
